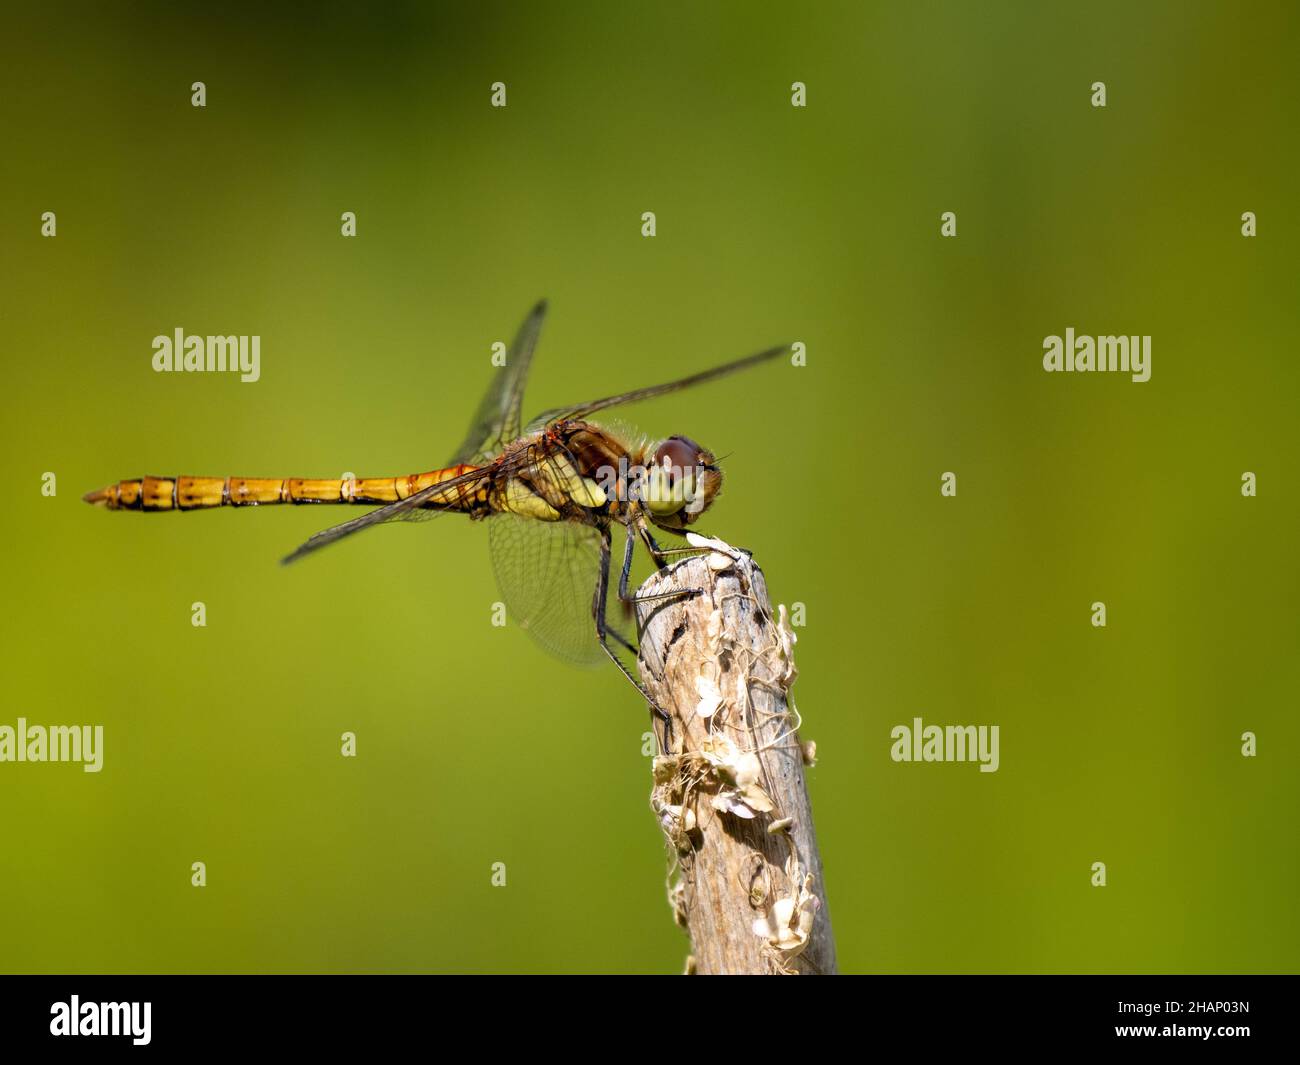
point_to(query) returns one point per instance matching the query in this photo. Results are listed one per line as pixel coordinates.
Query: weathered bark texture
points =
(730, 794)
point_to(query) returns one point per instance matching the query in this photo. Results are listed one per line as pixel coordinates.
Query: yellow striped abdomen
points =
(200, 493)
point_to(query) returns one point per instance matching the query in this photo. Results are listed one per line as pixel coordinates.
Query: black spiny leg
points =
(628, 546)
(603, 632)
(636, 524)
(628, 549)
(656, 552)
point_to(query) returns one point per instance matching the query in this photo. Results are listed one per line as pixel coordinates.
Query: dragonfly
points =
(551, 494)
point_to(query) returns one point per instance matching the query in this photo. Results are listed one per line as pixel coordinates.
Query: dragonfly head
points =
(683, 481)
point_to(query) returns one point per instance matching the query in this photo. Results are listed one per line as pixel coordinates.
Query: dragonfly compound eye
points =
(683, 480)
(679, 453)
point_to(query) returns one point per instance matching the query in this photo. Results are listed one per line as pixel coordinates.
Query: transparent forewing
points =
(496, 422)
(582, 410)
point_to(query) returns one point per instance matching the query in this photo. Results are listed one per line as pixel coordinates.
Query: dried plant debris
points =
(738, 773)
(786, 640)
(677, 902)
(706, 686)
(788, 923)
(676, 820)
(721, 554)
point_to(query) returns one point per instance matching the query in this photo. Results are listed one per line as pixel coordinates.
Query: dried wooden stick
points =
(730, 794)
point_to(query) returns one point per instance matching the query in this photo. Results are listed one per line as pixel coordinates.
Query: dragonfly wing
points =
(582, 410)
(547, 572)
(404, 509)
(496, 422)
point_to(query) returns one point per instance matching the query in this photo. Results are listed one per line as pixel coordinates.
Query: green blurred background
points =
(821, 224)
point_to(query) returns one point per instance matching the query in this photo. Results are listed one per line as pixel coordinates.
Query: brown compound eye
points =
(679, 452)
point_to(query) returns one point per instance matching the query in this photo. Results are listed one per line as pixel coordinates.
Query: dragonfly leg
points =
(696, 550)
(653, 548)
(627, 564)
(651, 545)
(618, 636)
(603, 632)
(622, 593)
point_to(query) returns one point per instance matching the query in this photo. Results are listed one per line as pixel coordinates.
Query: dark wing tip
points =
(309, 546)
